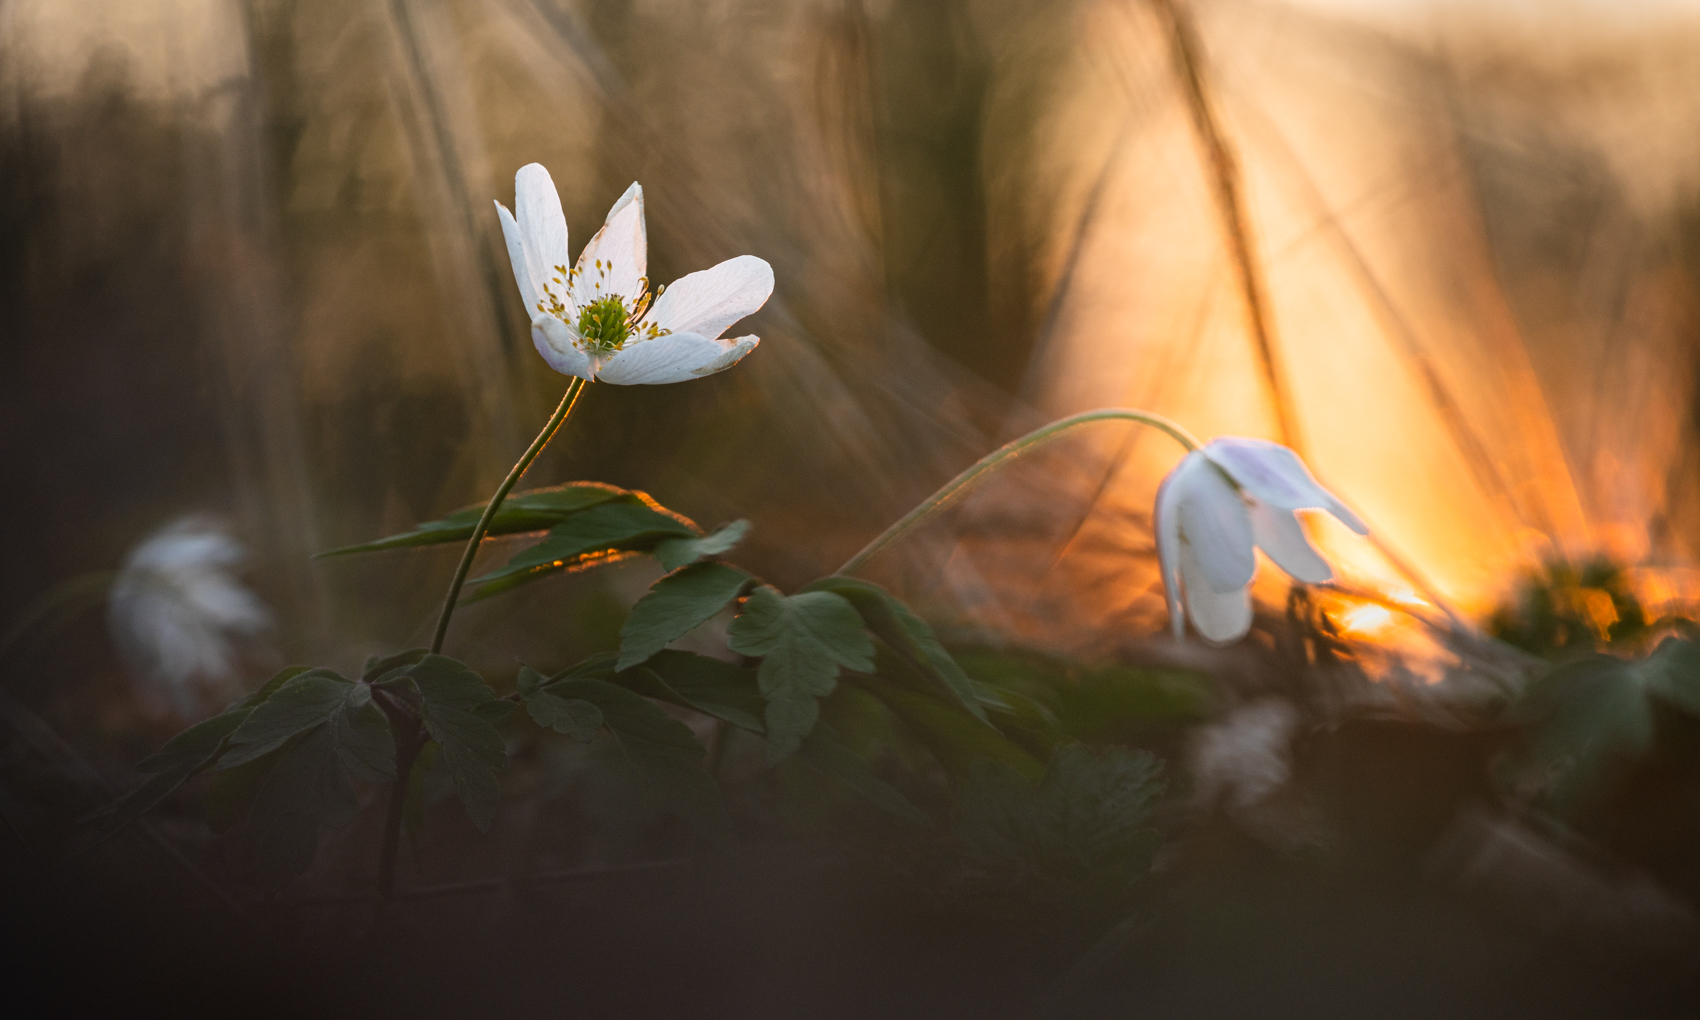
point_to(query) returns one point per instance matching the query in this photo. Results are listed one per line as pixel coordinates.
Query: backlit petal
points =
(1282, 537)
(1276, 475)
(622, 250)
(676, 357)
(1168, 527)
(1220, 616)
(1215, 524)
(516, 257)
(709, 301)
(542, 226)
(555, 341)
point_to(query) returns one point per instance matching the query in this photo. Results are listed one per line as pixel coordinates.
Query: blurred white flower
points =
(1216, 506)
(599, 320)
(178, 614)
(1239, 761)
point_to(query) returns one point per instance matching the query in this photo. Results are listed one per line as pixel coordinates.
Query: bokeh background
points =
(1449, 251)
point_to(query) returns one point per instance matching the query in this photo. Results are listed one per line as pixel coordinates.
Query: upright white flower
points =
(1216, 506)
(598, 320)
(178, 612)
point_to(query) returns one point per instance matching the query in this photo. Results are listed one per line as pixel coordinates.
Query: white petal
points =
(622, 250)
(556, 341)
(676, 357)
(1220, 616)
(1276, 475)
(1168, 528)
(543, 227)
(516, 256)
(1280, 534)
(709, 301)
(1215, 524)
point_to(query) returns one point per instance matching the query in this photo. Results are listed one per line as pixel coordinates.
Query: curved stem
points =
(495, 504)
(958, 487)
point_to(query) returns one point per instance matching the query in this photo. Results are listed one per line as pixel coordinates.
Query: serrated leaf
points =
(674, 605)
(454, 701)
(298, 705)
(828, 755)
(534, 510)
(674, 553)
(907, 634)
(659, 749)
(803, 640)
(597, 534)
(708, 685)
(573, 717)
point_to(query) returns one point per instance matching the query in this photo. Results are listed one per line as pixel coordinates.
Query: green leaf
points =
(594, 536)
(674, 605)
(521, 512)
(232, 793)
(956, 739)
(1672, 673)
(364, 741)
(803, 640)
(828, 755)
(659, 750)
(460, 711)
(907, 634)
(674, 553)
(183, 756)
(574, 717)
(298, 705)
(710, 686)
(306, 788)
(376, 667)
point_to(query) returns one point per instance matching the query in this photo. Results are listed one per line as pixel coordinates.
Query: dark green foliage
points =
(1076, 841)
(573, 717)
(674, 553)
(674, 605)
(907, 634)
(1589, 717)
(1567, 607)
(803, 640)
(183, 756)
(708, 685)
(534, 510)
(956, 739)
(460, 713)
(599, 534)
(658, 752)
(1110, 703)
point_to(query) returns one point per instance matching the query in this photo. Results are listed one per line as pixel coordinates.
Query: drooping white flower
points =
(598, 319)
(178, 614)
(1213, 509)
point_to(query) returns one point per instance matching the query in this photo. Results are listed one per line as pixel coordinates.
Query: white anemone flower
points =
(178, 614)
(1217, 506)
(598, 320)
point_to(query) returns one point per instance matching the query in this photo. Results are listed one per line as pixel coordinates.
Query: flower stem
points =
(958, 487)
(495, 504)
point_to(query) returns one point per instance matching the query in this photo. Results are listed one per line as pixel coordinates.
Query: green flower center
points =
(605, 323)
